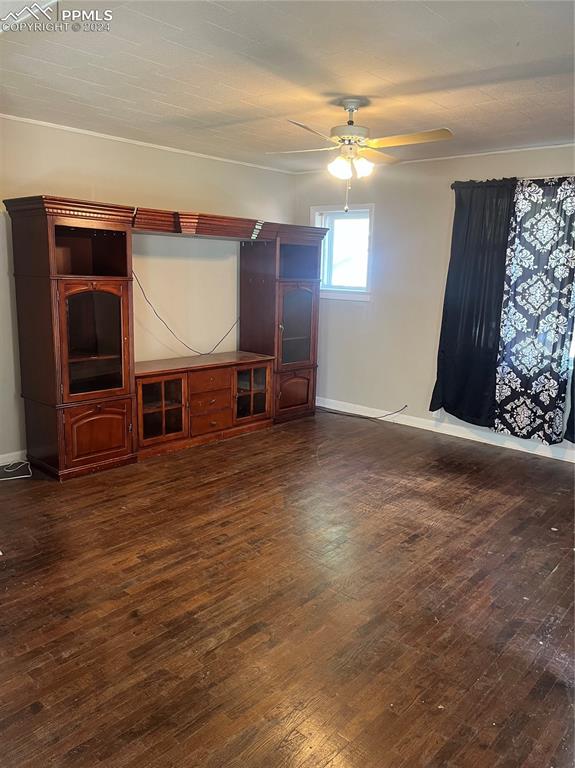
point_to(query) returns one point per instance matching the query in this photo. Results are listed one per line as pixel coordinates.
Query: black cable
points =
(359, 416)
(161, 319)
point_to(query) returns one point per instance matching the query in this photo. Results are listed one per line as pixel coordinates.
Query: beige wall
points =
(382, 354)
(192, 282)
(378, 354)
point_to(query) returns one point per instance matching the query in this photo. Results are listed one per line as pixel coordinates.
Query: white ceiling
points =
(220, 78)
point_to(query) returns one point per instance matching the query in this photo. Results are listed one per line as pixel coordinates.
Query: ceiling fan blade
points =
(297, 151)
(312, 130)
(439, 134)
(376, 156)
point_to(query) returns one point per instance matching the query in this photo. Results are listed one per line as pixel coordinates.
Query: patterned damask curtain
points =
(538, 311)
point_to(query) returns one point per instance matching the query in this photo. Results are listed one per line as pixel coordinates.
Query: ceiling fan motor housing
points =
(350, 133)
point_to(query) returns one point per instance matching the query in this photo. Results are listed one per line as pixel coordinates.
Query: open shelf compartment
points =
(299, 262)
(85, 252)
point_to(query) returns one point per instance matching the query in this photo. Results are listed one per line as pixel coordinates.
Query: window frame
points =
(317, 213)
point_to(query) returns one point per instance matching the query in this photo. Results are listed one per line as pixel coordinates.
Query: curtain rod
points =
(519, 178)
(542, 178)
(512, 180)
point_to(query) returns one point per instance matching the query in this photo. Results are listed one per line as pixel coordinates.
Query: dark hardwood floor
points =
(332, 593)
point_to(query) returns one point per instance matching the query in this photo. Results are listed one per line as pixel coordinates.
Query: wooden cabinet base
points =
(95, 433)
(213, 396)
(72, 440)
(211, 437)
(67, 474)
(295, 394)
(280, 417)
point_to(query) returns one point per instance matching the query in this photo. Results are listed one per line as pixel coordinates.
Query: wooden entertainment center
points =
(88, 405)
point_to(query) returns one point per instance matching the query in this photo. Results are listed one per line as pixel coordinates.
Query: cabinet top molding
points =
(165, 222)
(215, 360)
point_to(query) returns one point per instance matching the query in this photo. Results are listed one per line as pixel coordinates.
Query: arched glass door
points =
(94, 343)
(297, 312)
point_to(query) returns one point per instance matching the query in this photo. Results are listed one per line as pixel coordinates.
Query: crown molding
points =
(489, 152)
(176, 150)
(149, 145)
(160, 221)
(459, 157)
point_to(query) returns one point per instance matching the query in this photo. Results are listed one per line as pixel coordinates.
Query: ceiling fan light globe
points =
(340, 168)
(363, 167)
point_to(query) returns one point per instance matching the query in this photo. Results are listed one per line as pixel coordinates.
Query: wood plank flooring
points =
(331, 593)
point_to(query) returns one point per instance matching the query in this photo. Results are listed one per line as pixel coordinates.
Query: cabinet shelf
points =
(94, 252)
(72, 278)
(154, 408)
(299, 262)
(86, 358)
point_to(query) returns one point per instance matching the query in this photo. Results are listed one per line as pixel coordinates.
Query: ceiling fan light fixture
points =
(363, 167)
(354, 140)
(340, 168)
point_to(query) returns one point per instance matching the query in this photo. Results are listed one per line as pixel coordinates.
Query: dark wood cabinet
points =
(295, 392)
(279, 312)
(97, 433)
(73, 276)
(184, 401)
(74, 299)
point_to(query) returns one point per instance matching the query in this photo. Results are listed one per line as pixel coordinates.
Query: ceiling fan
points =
(357, 151)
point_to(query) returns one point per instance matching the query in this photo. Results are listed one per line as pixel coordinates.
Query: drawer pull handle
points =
(212, 378)
(212, 402)
(213, 423)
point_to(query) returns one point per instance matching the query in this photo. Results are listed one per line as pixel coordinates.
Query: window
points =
(345, 251)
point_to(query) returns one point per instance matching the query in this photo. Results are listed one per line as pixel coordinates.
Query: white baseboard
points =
(448, 425)
(8, 458)
(441, 422)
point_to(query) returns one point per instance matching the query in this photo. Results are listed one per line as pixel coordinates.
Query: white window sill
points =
(342, 295)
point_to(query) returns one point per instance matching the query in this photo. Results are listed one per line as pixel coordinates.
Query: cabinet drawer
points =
(205, 381)
(211, 422)
(94, 433)
(210, 401)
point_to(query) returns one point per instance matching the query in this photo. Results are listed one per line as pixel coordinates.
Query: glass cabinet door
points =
(162, 408)
(93, 344)
(297, 313)
(252, 396)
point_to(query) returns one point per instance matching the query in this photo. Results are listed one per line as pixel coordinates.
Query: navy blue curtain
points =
(469, 342)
